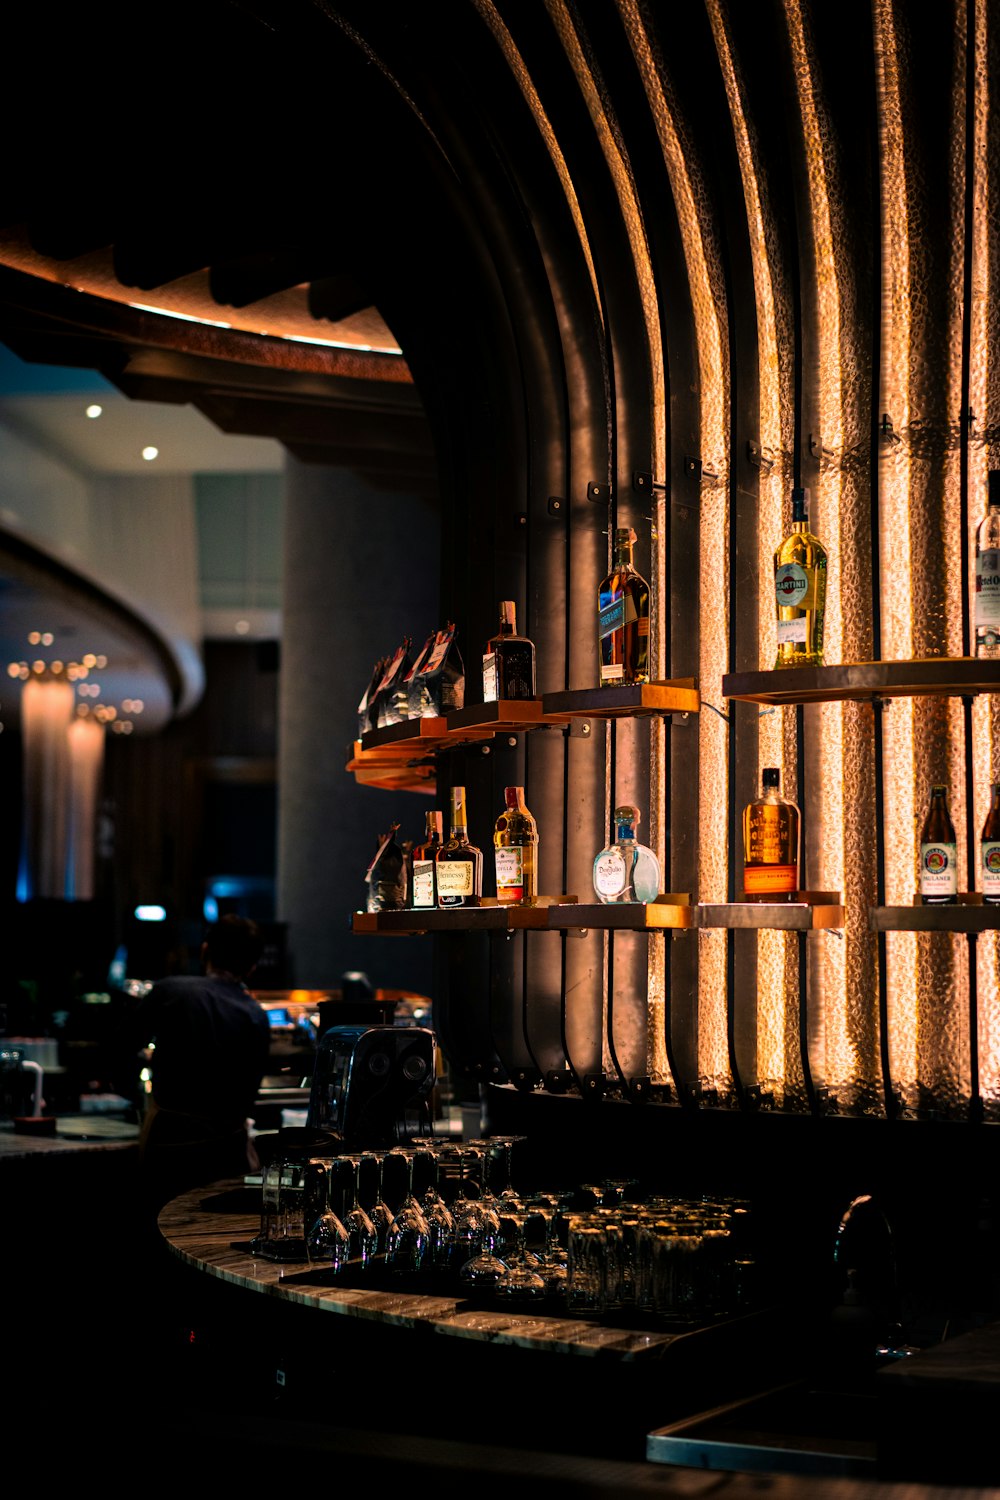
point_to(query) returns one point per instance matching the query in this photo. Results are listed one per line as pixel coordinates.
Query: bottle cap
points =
(771, 776)
(626, 813)
(800, 503)
(508, 611)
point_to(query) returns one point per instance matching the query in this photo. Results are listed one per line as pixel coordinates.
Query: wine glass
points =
(362, 1232)
(380, 1213)
(329, 1241)
(475, 1225)
(439, 1219)
(547, 1205)
(522, 1281)
(409, 1235)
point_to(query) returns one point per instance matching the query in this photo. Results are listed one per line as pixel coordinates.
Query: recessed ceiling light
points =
(242, 627)
(94, 411)
(150, 453)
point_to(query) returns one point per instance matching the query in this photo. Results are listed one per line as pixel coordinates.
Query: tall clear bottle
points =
(423, 885)
(458, 865)
(938, 853)
(623, 605)
(989, 849)
(800, 590)
(515, 851)
(626, 870)
(770, 843)
(986, 612)
(509, 660)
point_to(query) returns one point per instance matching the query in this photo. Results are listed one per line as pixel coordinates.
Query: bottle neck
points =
(459, 823)
(625, 831)
(514, 798)
(623, 556)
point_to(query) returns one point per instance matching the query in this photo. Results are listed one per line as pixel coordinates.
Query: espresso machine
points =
(370, 1084)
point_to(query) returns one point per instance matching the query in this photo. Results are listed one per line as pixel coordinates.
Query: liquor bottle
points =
(938, 860)
(423, 885)
(626, 870)
(515, 851)
(989, 849)
(458, 865)
(800, 590)
(623, 617)
(770, 843)
(508, 661)
(987, 606)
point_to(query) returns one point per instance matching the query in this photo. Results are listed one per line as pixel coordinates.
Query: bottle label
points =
(609, 873)
(987, 608)
(510, 874)
(792, 632)
(990, 860)
(613, 672)
(770, 880)
(612, 617)
(794, 586)
(454, 879)
(490, 677)
(938, 870)
(423, 882)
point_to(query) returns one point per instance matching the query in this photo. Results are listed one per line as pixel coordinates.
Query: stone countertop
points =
(210, 1227)
(73, 1134)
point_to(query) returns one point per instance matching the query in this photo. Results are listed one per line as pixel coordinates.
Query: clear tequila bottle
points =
(626, 870)
(987, 604)
(800, 590)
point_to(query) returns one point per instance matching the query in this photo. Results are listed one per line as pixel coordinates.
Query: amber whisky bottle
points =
(515, 850)
(938, 855)
(423, 885)
(623, 605)
(770, 843)
(509, 660)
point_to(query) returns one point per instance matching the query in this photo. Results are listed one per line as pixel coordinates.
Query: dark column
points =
(361, 572)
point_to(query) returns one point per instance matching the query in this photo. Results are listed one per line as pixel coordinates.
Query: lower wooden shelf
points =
(968, 915)
(781, 916)
(670, 911)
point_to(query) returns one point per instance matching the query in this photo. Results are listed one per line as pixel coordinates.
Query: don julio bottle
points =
(800, 590)
(770, 843)
(989, 849)
(623, 617)
(458, 865)
(987, 602)
(508, 661)
(423, 886)
(938, 857)
(626, 870)
(515, 850)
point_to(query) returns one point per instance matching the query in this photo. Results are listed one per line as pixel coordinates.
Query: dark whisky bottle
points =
(508, 661)
(458, 864)
(938, 855)
(989, 849)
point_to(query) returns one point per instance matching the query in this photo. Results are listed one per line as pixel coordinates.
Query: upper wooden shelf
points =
(937, 676)
(680, 696)
(630, 916)
(814, 911)
(400, 756)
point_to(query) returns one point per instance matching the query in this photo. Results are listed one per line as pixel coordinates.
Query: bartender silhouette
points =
(210, 1043)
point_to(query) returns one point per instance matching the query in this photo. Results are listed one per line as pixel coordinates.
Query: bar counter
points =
(434, 1376)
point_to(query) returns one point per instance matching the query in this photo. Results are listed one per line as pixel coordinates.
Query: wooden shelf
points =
(670, 911)
(867, 681)
(412, 920)
(638, 701)
(391, 771)
(969, 915)
(504, 716)
(804, 915)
